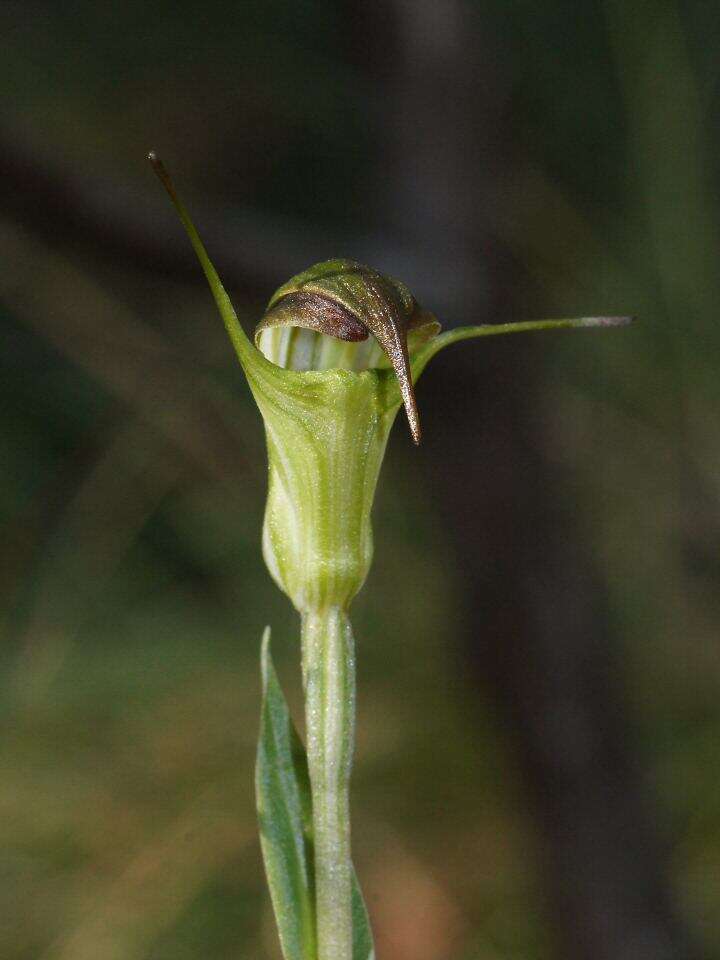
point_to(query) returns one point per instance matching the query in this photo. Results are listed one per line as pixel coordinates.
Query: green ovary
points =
(317, 536)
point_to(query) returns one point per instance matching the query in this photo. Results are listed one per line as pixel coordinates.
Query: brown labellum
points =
(344, 299)
(312, 311)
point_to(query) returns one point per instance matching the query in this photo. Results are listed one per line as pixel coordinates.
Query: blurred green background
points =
(537, 772)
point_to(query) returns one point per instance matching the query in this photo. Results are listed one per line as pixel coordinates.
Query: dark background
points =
(537, 769)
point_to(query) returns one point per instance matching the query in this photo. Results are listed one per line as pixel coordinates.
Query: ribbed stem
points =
(329, 676)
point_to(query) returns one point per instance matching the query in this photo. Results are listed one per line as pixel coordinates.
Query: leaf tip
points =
(162, 174)
(607, 321)
(265, 661)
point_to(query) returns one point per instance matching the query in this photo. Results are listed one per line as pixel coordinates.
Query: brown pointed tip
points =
(162, 174)
(408, 395)
(394, 343)
(396, 352)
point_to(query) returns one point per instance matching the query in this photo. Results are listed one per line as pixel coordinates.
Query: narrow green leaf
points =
(283, 814)
(285, 811)
(363, 948)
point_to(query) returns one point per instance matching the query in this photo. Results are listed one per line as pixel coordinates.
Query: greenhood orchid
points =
(337, 353)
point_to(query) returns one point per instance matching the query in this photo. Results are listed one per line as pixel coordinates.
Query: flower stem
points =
(328, 657)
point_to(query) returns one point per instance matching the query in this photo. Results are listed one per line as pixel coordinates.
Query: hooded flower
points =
(337, 353)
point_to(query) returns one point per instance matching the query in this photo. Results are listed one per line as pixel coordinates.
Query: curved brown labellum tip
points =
(387, 319)
(393, 340)
(411, 410)
(314, 312)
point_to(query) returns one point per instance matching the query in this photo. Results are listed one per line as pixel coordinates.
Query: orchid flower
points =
(337, 353)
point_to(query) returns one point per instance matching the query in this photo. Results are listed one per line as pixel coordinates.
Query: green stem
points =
(328, 656)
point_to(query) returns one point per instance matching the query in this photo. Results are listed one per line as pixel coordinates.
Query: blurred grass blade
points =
(285, 814)
(283, 790)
